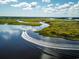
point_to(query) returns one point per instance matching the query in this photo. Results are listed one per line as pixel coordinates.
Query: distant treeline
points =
(40, 17)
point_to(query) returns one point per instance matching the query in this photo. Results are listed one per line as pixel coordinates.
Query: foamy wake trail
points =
(44, 43)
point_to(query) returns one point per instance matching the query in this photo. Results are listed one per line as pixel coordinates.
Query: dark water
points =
(12, 46)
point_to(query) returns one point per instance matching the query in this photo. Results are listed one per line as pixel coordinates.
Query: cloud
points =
(33, 4)
(48, 10)
(76, 6)
(46, 1)
(7, 1)
(64, 6)
(26, 6)
(68, 9)
(23, 4)
(74, 10)
(50, 5)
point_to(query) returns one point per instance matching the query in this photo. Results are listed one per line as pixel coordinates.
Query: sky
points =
(39, 8)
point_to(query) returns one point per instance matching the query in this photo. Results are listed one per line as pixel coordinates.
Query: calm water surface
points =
(12, 46)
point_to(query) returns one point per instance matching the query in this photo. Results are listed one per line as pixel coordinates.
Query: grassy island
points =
(19, 21)
(68, 29)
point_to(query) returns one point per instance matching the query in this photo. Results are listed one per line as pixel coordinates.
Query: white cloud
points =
(7, 1)
(26, 6)
(50, 5)
(74, 10)
(76, 5)
(46, 1)
(64, 6)
(67, 9)
(23, 5)
(33, 4)
(48, 10)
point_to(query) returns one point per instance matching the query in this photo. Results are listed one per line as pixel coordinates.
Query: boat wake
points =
(28, 38)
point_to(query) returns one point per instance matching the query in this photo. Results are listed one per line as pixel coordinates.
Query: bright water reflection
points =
(13, 46)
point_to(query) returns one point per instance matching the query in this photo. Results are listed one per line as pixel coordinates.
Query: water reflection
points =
(12, 46)
(58, 43)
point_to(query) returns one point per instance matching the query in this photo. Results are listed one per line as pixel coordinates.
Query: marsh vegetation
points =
(64, 28)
